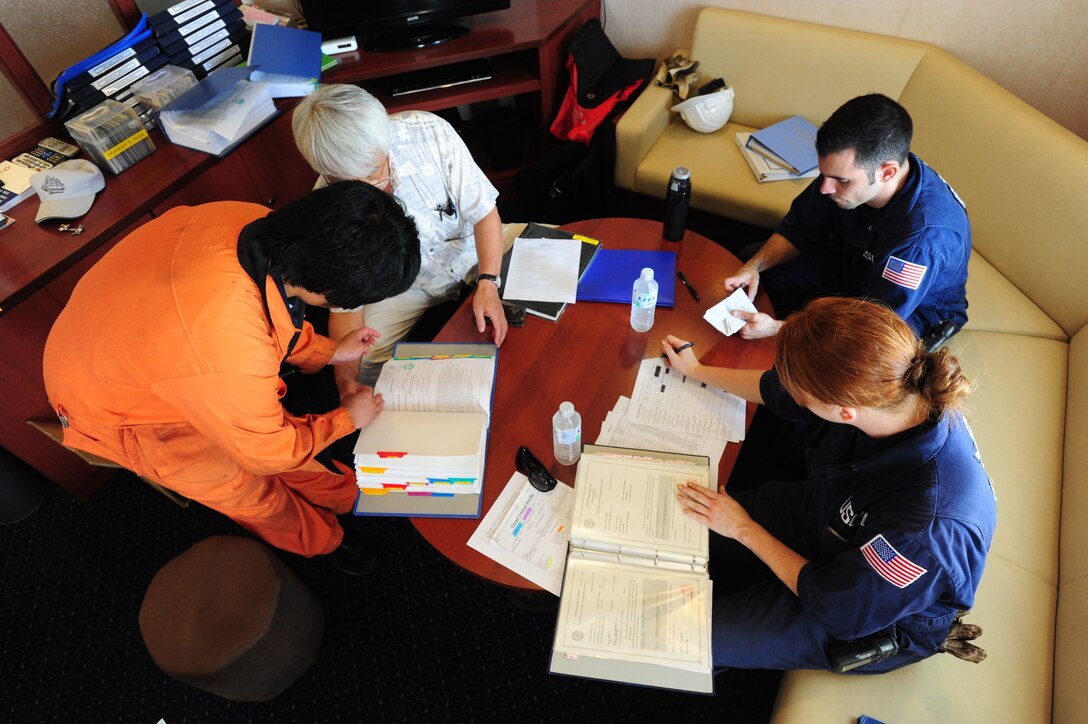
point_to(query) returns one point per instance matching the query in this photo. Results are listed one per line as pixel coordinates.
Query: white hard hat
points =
(707, 113)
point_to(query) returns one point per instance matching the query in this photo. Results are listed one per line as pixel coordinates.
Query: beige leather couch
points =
(1025, 182)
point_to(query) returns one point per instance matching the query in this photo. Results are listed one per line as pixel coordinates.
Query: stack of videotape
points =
(112, 135)
(201, 35)
(113, 79)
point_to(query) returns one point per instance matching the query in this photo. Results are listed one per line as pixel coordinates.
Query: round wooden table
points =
(590, 357)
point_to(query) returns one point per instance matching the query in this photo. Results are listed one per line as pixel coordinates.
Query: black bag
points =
(573, 179)
(567, 182)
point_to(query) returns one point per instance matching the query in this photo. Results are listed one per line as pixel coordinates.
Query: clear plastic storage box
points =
(163, 86)
(112, 135)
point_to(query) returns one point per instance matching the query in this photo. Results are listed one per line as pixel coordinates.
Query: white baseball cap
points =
(67, 190)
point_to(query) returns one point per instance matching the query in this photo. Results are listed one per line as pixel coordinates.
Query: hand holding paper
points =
(721, 314)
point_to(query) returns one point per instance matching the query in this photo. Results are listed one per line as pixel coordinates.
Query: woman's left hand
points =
(717, 511)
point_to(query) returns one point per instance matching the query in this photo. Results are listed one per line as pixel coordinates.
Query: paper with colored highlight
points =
(527, 531)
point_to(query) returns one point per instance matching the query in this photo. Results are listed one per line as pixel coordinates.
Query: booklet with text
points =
(636, 600)
(424, 455)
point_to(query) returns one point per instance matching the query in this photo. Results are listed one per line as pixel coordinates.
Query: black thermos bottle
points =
(677, 198)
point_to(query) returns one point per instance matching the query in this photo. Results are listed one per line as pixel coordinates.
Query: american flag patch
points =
(904, 273)
(889, 564)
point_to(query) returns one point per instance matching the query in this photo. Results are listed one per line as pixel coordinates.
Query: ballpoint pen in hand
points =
(679, 349)
(684, 280)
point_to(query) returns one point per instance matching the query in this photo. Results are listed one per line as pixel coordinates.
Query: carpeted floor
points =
(418, 640)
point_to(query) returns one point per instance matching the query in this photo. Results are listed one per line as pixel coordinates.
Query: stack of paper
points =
(671, 413)
(790, 144)
(431, 438)
(552, 310)
(218, 112)
(763, 168)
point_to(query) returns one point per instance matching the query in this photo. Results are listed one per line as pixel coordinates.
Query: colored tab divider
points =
(391, 454)
(445, 356)
(372, 471)
(394, 486)
(462, 481)
(430, 494)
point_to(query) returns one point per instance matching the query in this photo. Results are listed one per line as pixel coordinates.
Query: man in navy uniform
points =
(878, 223)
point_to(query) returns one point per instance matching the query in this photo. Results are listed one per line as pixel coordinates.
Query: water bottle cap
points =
(567, 408)
(647, 274)
(681, 172)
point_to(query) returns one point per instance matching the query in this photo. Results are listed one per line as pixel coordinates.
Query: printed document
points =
(620, 430)
(527, 531)
(666, 398)
(544, 270)
(435, 385)
(635, 614)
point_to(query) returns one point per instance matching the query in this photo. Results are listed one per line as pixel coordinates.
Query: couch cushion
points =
(1018, 416)
(1020, 173)
(996, 305)
(712, 158)
(1070, 693)
(784, 67)
(1016, 612)
(1074, 543)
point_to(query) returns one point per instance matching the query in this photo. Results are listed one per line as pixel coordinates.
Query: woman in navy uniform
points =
(887, 535)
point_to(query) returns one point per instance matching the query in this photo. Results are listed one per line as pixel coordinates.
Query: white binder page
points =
(635, 614)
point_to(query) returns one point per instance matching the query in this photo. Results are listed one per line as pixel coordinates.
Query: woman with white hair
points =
(345, 134)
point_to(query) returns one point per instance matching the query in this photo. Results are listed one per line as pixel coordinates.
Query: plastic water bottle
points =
(644, 301)
(567, 434)
(677, 199)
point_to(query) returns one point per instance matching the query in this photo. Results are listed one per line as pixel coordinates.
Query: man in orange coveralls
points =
(167, 358)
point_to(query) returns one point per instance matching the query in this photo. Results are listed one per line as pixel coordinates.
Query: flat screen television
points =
(394, 24)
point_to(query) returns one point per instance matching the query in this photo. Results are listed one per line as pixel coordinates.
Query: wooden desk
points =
(590, 357)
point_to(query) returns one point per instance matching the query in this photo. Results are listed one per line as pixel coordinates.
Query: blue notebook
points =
(612, 276)
(791, 143)
(288, 59)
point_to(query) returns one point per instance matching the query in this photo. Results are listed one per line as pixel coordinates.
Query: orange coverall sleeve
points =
(312, 351)
(243, 415)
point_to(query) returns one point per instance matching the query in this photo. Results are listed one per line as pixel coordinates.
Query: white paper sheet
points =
(721, 314)
(620, 430)
(665, 398)
(543, 270)
(636, 614)
(437, 385)
(527, 531)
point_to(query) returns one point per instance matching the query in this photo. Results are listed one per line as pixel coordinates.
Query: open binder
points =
(416, 459)
(636, 600)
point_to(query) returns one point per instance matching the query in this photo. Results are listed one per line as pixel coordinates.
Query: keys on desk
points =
(73, 230)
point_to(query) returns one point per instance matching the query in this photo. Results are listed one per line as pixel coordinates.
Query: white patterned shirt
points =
(444, 192)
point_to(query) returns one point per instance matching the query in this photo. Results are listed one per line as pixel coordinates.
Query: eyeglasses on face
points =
(528, 465)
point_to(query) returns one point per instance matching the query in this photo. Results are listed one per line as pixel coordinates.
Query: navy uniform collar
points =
(888, 221)
(915, 448)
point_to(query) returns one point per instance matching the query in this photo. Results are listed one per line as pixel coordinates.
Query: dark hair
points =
(858, 353)
(348, 241)
(877, 128)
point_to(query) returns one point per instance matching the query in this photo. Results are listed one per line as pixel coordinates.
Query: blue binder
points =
(612, 275)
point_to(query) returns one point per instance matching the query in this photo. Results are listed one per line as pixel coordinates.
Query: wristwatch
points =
(493, 278)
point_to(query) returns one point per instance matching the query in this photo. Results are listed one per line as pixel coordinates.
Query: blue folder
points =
(611, 277)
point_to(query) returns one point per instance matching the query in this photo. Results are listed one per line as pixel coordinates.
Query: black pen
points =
(684, 280)
(678, 350)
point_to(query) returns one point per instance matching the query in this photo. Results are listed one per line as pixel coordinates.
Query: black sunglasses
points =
(530, 467)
